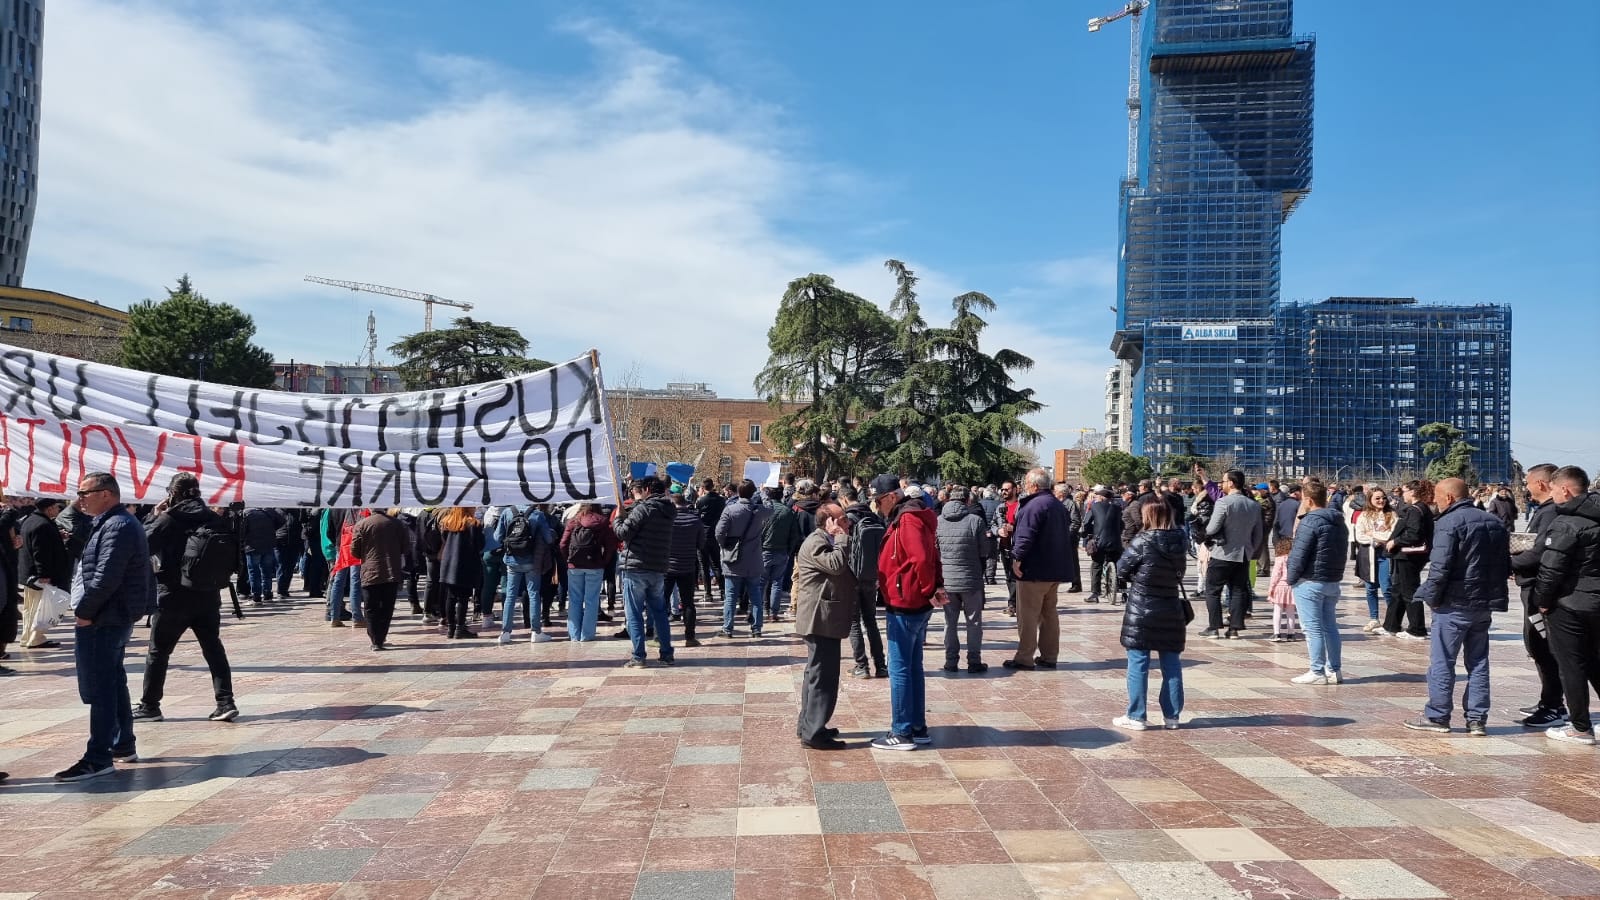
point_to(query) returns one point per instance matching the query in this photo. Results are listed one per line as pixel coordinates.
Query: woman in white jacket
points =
(1373, 527)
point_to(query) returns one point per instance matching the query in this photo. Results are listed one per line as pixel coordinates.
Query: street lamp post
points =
(200, 358)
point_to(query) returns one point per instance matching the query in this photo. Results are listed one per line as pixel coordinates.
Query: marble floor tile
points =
(1225, 844)
(1371, 879)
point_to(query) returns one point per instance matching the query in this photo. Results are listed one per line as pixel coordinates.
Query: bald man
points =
(1465, 586)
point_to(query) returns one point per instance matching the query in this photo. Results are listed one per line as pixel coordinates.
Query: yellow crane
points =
(427, 299)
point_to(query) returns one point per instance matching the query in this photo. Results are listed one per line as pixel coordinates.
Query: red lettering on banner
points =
(140, 488)
(5, 453)
(59, 488)
(31, 424)
(234, 478)
(83, 447)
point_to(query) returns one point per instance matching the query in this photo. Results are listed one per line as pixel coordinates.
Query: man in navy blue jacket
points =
(113, 587)
(1465, 585)
(1041, 554)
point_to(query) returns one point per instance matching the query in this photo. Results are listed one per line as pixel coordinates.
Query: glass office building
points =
(21, 40)
(1223, 160)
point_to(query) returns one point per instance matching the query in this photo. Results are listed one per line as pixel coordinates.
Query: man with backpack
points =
(780, 541)
(196, 552)
(739, 533)
(527, 537)
(866, 539)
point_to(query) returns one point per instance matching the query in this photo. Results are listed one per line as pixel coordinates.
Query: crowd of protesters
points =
(847, 554)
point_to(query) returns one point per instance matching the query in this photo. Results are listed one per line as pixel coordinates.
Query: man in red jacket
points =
(912, 584)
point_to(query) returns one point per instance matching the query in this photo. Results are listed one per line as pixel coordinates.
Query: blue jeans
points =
(583, 602)
(734, 587)
(529, 586)
(775, 572)
(103, 685)
(1380, 581)
(645, 594)
(1316, 603)
(908, 696)
(1457, 631)
(287, 555)
(260, 566)
(346, 581)
(1139, 684)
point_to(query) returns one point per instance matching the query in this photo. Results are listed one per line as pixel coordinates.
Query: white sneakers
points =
(1130, 724)
(1317, 678)
(540, 637)
(1169, 724)
(505, 638)
(1566, 734)
(1373, 626)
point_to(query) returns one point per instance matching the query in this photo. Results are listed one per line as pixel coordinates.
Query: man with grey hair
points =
(112, 588)
(1063, 492)
(1042, 558)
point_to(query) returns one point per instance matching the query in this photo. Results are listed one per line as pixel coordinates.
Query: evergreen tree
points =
(188, 336)
(1448, 453)
(469, 352)
(1114, 467)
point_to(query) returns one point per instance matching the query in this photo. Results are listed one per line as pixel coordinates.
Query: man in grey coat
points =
(739, 535)
(824, 605)
(960, 536)
(1235, 534)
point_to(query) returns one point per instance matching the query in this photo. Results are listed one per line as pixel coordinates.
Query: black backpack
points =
(584, 550)
(519, 540)
(210, 556)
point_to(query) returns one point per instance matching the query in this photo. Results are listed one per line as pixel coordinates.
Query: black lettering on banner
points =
(588, 465)
(352, 474)
(315, 471)
(80, 385)
(229, 414)
(522, 403)
(389, 475)
(444, 478)
(24, 380)
(402, 410)
(549, 470)
(315, 415)
(350, 406)
(194, 408)
(256, 435)
(150, 394)
(480, 475)
(486, 409)
(589, 398)
(52, 392)
(438, 410)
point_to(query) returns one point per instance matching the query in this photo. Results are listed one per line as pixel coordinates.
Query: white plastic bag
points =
(55, 604)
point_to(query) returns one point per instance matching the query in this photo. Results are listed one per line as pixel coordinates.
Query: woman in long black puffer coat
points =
(1155, 619)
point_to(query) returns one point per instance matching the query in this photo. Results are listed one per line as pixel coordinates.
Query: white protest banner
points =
(542, 437)
(764, 474)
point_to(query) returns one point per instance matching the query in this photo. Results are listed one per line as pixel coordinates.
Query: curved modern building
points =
(21, 43)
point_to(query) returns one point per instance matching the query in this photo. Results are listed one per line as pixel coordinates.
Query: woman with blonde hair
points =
(460, 566)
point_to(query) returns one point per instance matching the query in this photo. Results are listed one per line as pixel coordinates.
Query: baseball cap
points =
(885, 484)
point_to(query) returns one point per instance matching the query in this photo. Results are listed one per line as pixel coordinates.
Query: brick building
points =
(59, 324)
(690, 423)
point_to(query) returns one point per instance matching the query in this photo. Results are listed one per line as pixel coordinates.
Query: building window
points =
(622, 431)
(725, 434)
(755, 432)
(653, 430)
(19, 323)
(694, 431)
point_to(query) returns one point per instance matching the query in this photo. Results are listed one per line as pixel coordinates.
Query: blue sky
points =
(644, 177)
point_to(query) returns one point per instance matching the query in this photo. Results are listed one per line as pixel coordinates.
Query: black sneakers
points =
(893, 741)
(83, 771)
(143, 713)
(860, 672)
(1477, 728)
(225, 712)
(1543, 718)
(1424, 723)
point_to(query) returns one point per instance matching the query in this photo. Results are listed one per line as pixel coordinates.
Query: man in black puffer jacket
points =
(1465, 587)
(647, 534)
(1568, 593)
(1155, 619)
(1542, 513)
(180, 608)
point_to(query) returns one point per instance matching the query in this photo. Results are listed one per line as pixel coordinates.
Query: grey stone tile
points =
(860, 820)
(714, 755)
(316, 866)
(386, 806)
(176, 840)
(397, 746)
(713, 885)
(560, 779)
(852, 794)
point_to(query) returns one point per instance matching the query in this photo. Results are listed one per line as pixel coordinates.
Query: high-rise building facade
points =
(21, 43)
(1223, 159)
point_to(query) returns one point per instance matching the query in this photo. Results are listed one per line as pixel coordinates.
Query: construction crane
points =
(1134, 9)
(427, 299)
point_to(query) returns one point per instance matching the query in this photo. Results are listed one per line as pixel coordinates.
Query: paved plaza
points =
(471, 770)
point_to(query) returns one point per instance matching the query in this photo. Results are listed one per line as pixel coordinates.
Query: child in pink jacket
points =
(1285, 624)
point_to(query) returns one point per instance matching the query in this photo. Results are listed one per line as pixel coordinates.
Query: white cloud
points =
(633, 210)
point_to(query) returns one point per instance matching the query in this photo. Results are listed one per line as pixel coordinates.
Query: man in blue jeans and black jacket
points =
(1465, 586)
(112, 588)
